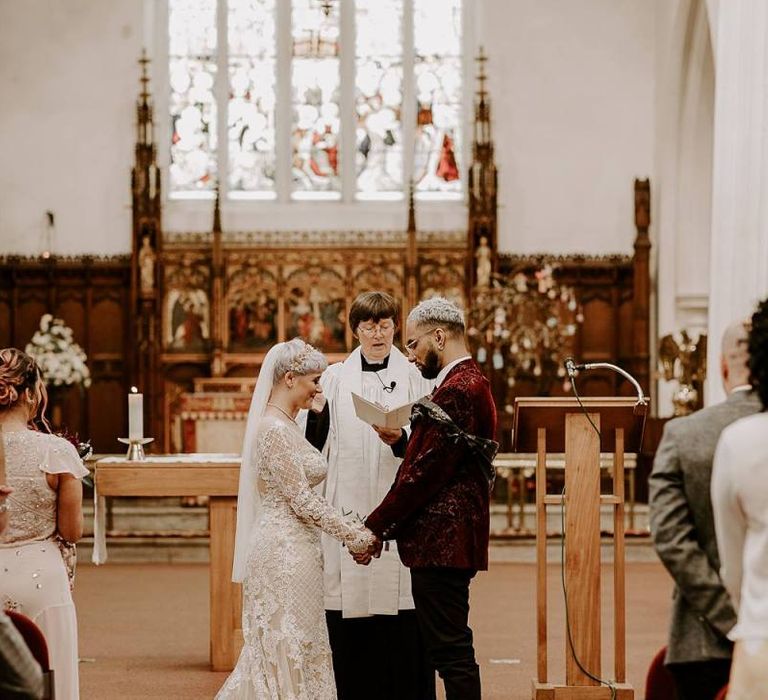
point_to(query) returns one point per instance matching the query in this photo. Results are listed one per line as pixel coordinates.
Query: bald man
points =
(682, 525)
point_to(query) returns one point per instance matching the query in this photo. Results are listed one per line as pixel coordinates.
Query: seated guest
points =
(369, 611)
(20, 675)
(698, 651)
(740, 505)
(44, 471)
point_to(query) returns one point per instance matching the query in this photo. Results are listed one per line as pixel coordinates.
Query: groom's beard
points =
(431, 366)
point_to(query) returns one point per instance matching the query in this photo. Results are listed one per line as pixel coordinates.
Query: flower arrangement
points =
(61, 360)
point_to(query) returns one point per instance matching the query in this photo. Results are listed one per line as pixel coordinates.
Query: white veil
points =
(248, 498)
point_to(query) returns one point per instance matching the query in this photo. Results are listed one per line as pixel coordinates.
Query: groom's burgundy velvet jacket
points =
(437, 508)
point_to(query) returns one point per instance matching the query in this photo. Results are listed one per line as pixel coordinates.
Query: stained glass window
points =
(251, 107)
(379, 97)
(192, 73)
(437, 66)
(303, 117)
(315, 93)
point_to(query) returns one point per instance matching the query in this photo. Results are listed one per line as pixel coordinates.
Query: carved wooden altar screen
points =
(271, 291)
(273, 287)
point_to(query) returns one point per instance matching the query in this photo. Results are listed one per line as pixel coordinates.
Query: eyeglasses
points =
(410, 346)
(383, 328)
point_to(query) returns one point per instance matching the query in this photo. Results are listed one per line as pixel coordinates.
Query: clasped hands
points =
(374, 550)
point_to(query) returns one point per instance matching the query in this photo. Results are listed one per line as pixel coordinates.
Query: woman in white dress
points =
(278, 556)
(44, 471)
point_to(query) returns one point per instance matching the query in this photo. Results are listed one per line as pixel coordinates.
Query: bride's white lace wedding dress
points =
(286, 655)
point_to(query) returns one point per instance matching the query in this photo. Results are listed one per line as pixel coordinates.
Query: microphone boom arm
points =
(641, 398)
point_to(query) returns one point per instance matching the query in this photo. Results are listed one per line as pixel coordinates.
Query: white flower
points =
(61, 360)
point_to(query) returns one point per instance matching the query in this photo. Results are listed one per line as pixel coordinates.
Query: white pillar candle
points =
(135, 414)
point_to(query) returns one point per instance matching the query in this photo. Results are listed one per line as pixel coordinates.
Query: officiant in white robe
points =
(369, 609)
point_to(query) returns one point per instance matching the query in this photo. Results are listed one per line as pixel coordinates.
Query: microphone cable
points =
(572, 379)
(388, 389)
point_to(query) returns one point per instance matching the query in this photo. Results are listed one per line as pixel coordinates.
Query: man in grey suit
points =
(682, 525)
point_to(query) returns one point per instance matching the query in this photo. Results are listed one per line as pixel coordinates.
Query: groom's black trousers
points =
(441, 596)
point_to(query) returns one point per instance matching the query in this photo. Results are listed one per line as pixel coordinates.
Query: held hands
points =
(374, 550)
(388, 435)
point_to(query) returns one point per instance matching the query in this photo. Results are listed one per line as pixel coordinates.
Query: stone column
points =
(739, 250)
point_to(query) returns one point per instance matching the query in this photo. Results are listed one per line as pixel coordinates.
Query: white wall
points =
(572, 85)
(682, 193)
(68, 80)
(739, 243)
(573, 97)
(685, 101)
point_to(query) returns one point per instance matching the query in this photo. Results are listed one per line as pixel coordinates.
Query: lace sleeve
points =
(282, 463)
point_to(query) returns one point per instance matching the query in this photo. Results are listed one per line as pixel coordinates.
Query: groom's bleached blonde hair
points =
(438, 311)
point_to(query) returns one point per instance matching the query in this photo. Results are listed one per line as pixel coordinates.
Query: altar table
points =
(212, 475)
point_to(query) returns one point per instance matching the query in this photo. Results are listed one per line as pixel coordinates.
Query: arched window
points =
(315, 99)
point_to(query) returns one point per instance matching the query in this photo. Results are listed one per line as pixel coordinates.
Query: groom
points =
(437, 508)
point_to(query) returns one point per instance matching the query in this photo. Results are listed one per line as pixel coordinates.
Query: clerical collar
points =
(374, 366)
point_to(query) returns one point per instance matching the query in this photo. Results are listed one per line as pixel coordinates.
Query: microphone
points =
(571, 369)
(388, 389)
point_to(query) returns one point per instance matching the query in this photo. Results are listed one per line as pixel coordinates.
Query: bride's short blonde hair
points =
(299, 357)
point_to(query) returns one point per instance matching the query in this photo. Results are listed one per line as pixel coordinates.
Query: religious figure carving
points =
(642, 204)
(146, 267)
(483, 256)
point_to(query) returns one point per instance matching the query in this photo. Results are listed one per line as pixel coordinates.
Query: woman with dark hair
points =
(44, 471)
(740, 505)
(758, 352)
(369, 610)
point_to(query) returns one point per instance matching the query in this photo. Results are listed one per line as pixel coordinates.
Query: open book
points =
(374, 414)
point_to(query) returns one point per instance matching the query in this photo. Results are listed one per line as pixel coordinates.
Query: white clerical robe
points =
(361, 470)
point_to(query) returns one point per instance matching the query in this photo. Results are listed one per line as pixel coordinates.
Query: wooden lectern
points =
(544, 425)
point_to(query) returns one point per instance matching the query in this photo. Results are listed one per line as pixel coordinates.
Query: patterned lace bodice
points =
(29, 455)
(289, 468)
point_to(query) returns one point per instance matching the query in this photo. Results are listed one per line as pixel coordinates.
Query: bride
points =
(278, 557)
